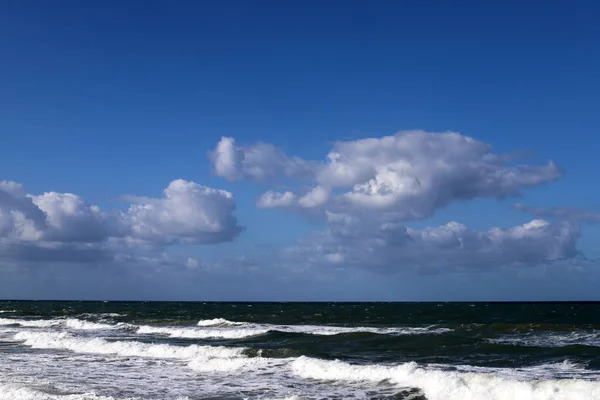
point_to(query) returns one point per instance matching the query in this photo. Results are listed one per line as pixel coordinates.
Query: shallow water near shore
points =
(169, 351)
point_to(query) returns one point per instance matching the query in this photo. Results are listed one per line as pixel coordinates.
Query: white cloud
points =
(272, 199)
(20, 219)
(316, 197)
(411, 174)
(258, 162)
(367, 190)
(63, 227)
(70, 219)
(392, 247)
(189, 212)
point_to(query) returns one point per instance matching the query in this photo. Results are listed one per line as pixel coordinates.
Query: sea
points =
(204, 350)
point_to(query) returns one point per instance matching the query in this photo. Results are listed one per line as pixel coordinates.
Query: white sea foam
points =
(65, 341)
(218, 328)
(321, 330)
(449, 385)
(103, 315)
(19, 392)
(70, 323)
(7, 311)
(34, 323)
(191, 333)
(78, 324)
(218, 322)
(552, 339)
(237, 364)
(244, 329)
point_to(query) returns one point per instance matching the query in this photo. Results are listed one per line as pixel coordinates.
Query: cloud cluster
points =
(411, 174)
(389, 247)
(368, 190)
(63, 227)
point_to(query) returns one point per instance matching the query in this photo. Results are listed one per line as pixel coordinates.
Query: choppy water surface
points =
(168, 351)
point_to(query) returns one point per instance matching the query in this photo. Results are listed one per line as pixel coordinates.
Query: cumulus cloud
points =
(63, 227)
(189, 212)
(393, 247)
(411, 174)
(368, 190)
(314, 198)
(258, 162)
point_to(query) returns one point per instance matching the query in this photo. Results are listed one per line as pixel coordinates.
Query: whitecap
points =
(448, 385)
(551, 339)
(218, 322)
(66, 341)
(69, 323)
(191, 333)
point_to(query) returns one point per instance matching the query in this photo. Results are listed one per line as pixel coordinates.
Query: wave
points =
(65, 341)
(103, 315)
(29, 323)
(244, 330)
(552, 340)
(198, 358)
(218, 322)
(18, 392)
(219, 328)
(449, 385)
(70, 323)
(190, 333)
(7, 311)
(321, 330)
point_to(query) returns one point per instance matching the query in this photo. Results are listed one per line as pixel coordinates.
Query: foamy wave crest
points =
(218, 322)
(321, 330)
(552, 340)
(236, 364)
(449, 385)
(30, 323)
(69, 323)
(78, 324)
(17, 392)
(65, 341)
(7, 311)
(191, 333)
(244, 329)
(103, 315)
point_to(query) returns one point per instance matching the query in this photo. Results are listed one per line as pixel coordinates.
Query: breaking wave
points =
(218, 322)
(198, 358)
(438, 384)
(552, 340)
(65, 341)
(190, 333)
(218, 328)
(18, 392)
(70, 323)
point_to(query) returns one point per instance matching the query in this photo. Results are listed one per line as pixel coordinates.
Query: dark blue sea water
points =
(168, 351)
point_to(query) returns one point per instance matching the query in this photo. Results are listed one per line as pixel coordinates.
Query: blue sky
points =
(114, 100)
